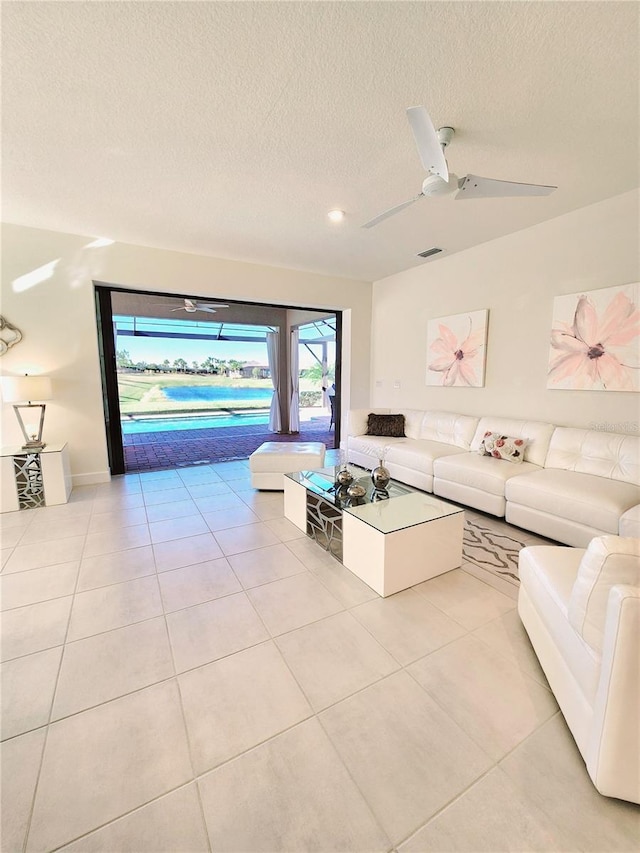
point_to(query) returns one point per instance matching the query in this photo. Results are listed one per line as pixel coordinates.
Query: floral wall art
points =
(595, 340)
(456, 349)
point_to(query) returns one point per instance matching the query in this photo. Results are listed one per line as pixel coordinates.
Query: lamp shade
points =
(26, 389)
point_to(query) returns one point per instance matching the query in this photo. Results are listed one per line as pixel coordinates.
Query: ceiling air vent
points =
(428, 252)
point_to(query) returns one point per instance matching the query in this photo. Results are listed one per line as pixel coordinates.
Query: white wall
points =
(57, 319)
(516, 278)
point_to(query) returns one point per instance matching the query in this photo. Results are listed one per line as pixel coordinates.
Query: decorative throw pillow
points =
(391, 426)
(502, 447)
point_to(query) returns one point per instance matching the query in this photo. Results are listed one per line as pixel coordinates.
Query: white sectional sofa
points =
(572, 484)
(581, 610)
(480, 481)
(429, 435)
(589, 483)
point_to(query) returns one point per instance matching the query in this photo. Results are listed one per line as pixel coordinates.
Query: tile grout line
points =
(48, 727)
(190, 747)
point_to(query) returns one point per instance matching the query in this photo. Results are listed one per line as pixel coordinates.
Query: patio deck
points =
(154, 451)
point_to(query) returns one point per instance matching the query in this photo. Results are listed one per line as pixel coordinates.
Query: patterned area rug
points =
(492, 550)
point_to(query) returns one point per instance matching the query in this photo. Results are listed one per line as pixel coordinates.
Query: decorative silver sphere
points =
(380, 477)
(355, 490)
(344, 477)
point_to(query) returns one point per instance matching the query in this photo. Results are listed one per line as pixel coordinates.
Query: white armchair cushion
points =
(449, 428)
(608, 561)
(630, 522)
(538, 436)
(604, 454)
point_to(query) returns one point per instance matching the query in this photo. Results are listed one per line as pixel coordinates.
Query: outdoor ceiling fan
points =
(192, 305)
(440, 181)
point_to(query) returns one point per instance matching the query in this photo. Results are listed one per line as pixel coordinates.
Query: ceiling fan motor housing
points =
(434, 185)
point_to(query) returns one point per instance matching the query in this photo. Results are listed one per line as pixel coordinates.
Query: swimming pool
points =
(135, 426)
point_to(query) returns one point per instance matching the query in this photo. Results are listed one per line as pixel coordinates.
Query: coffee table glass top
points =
(397, 508)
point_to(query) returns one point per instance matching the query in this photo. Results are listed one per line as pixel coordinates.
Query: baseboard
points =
(91, 479)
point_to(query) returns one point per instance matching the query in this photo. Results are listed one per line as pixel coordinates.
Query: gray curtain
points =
(273, 349)
(325, 377)
(294, 409)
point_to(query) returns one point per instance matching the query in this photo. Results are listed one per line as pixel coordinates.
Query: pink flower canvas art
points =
(595, 340)
(456, 348)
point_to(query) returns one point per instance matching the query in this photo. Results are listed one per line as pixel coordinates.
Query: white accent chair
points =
(630, 522)
(581, 609)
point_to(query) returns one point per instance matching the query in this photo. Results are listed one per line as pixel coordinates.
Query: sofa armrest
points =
(613, 754)
(609, 561)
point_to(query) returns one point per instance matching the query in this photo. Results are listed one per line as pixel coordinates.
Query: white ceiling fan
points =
(440, 181)
(192, 305)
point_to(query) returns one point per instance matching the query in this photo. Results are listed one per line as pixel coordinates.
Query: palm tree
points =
(180, 364)
(235, 366)
(123, 359)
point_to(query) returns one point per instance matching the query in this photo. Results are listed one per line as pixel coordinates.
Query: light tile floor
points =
(184, 671)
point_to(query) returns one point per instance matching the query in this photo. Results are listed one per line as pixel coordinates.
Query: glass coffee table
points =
(390, 539)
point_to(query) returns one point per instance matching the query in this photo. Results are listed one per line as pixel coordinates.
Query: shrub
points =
(310, 398)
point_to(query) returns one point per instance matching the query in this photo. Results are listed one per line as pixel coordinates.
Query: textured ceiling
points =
(231, 128)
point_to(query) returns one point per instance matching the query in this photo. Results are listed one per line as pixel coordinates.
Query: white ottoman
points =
(274, 458)
(630, 523)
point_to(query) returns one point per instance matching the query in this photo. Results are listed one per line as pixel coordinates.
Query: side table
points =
(34, 478)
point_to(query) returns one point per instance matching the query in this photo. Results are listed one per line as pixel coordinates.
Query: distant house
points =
(255, 370)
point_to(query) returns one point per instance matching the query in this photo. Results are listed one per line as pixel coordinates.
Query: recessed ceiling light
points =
(336, 215)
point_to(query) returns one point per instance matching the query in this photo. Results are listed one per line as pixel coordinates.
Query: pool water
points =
(134, 426)
(230, 395)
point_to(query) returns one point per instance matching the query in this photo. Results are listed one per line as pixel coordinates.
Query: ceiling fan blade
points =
(178, 309)
(205, 310)
(391, 212)
(429, 149)
(475, 187)
(211, 305)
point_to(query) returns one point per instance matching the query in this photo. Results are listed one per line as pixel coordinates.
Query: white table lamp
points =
(22, 391)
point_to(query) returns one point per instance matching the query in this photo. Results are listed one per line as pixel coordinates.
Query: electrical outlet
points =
(396, 384)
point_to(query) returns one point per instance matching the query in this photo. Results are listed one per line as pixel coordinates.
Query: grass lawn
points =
(143, 393)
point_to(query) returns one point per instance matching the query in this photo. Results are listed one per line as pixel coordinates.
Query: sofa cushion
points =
(419, 455)
(449, 428)
(547, 574)
(584, 498)
(375, 446)
(357, 420)
(412, 422)
(479, 472)
(503, 447)
(605, 454)
(630, 522)
(387, 425)
(608, 561)
(538, 435)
